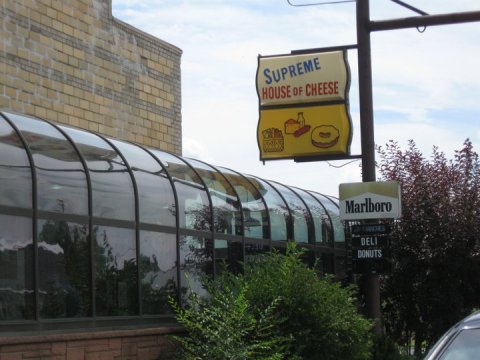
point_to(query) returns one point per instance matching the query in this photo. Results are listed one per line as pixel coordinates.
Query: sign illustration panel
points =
(303, 105)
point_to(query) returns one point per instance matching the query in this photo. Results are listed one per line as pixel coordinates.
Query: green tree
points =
(224, 326)
(278, 309)
(321, 315)
(435, 245)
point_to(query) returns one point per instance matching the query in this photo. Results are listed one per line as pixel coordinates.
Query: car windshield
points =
(465, 346)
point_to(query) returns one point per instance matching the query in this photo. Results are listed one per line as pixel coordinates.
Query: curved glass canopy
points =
(96, 228)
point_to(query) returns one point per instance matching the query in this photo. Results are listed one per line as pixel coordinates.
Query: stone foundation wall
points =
(72, 62)
(139, 344)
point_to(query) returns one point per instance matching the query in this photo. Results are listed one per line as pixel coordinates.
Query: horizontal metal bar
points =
(326, 158)
(324, 49)
(426, 20)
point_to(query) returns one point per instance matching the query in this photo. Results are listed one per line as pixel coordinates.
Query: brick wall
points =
(72, 62)
(140, 344)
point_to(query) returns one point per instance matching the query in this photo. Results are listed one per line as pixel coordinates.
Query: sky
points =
(426, 82)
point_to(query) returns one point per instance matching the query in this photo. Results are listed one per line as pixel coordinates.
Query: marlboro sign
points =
(370, 200)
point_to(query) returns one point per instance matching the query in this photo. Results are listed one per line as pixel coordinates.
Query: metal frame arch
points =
(177, 221)
(329, 197)
(329, 217)
(326, 212)
(314, 199)
(34, 212)
(310, 223)
(80, 157)
(90, 214)
(227, 181)
(201, 180)
(289, 221)
(309, 192)
(204, 186)
(137, 219)
(337, 251)
(29, 156)
(261, 197)
(82, 160)
(129, 169)
(209, 196)
(169, 177)
(242, 235)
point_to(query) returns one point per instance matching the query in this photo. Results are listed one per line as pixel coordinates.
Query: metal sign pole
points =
(371, 282)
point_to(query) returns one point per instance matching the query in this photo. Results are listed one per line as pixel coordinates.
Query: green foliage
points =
(321, 315)
(224, 325)
(384, 348)
(279, 309)
(435, 245)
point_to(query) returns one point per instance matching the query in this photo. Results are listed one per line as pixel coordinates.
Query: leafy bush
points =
(320, 314)
(224, 325)
(278, 309)
(435, 245)
(384, 348)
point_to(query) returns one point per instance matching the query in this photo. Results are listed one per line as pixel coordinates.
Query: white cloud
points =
(419, 80)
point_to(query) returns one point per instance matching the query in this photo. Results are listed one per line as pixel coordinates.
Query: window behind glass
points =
(465, 346)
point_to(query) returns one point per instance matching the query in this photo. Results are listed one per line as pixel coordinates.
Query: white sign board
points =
(370, 200)
(301, 79)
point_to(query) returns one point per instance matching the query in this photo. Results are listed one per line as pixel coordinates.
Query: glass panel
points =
(228, 256)
(299, 212)
(465, 346)
(340, 267)
(254, 250)
(226, 206)
(158, 271)
(277, 210)
(195, 262)
(61, 179)
(116, 271)
(334, 213)
(16, 268)
(155, 194)
(254, 214)
(308, 258)
(221, 256)
(327, 264)
(194, 210)
(15, 171)
(64, 263)
(112, 188)
(319, 215)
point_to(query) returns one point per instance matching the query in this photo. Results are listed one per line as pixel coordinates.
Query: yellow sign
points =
(303, 105)
(285, 133)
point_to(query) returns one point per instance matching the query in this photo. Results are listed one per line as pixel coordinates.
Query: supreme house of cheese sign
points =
(370, 200)
(303, 102)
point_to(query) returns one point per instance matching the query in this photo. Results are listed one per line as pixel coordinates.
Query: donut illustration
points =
(325, 136)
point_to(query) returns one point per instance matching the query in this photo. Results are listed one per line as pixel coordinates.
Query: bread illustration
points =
(272, 140)
(325, 136)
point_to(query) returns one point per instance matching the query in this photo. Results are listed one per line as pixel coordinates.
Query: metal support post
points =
(371, 282)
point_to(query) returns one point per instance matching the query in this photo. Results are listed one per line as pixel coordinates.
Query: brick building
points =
(72, 62)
